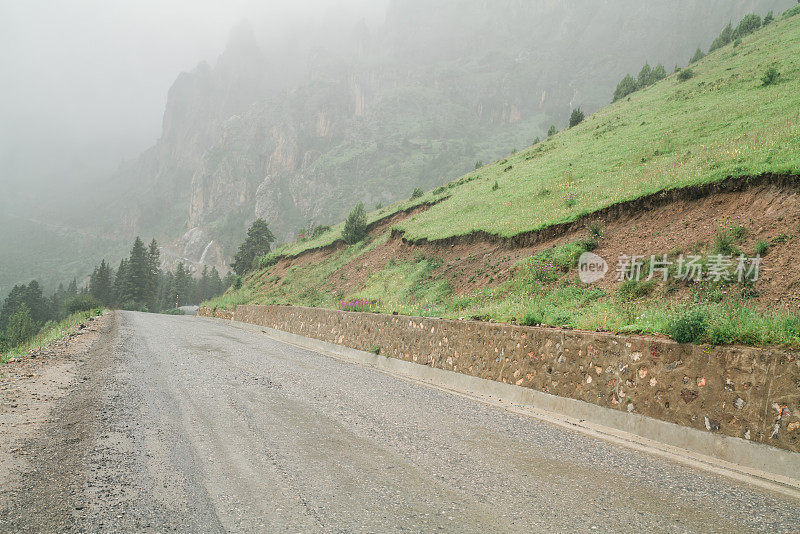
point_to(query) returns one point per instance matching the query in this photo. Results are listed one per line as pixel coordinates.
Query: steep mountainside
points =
(699, 167)
(300, 138)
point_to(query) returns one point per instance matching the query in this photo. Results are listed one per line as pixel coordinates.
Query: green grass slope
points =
(722, 122)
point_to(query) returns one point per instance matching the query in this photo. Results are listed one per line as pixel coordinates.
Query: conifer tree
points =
(257, 243)
(625, 87)
(698, 55)
(121, 296)
(645, 76)
(138, 273)
(153, 272)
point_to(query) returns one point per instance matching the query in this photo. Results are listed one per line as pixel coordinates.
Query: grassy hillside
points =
(722, 122)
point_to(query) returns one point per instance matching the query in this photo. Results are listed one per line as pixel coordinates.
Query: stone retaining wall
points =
(746, 392)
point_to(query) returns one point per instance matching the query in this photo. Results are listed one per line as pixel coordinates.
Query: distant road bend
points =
(180, 423)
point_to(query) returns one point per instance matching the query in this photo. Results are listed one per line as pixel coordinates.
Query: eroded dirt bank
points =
(767, 209)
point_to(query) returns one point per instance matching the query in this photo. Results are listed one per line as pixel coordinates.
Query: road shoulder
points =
(47, 402)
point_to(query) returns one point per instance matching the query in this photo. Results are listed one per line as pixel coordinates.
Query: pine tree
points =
(645, 78)
(658, 74)
(121, 296)
(747, 25)
(100, 283)
(724, 38)
(200, 286)
(138, 273)
(552, 130)
(153, 272)
(182, 286)
(625, 87)
(698, 55)
(35, 301)
(355, 227)
(72, 288)
(215, 283)
(576, 117)
(257, 243)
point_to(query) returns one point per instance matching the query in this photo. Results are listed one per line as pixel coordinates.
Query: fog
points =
(186, 120)
(85, 82)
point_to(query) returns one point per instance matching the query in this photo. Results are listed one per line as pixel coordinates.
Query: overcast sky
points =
(85, 81)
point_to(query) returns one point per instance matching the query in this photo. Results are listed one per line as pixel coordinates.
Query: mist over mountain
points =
(297, 123)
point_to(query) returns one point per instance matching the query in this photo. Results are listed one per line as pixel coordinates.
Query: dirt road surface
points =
(154, 423)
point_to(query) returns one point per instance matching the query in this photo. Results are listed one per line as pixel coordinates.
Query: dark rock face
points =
(412, 104)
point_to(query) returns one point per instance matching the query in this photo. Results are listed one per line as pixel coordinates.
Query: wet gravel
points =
(194, 425)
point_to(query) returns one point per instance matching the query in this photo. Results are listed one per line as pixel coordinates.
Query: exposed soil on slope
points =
(767, 208)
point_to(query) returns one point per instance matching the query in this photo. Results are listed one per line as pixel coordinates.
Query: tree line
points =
(648, 76)
(138, 283)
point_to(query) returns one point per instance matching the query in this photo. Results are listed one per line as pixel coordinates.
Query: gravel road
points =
(183, 424)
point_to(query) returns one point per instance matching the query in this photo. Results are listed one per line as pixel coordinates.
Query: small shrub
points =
(586, 245)
(570, 200)
(761, 248)
(552, 130)
(770, 77)
(722, 333)
(635, 289)
(439, 190)
(595, 229)
(532, 319)
(685, 74)
(322, 229)
(749, 291)
(375, 349)
(237, 284)
(81, 302)
(780, 238)
(768, 18)
(417, 193)
(737, 42)
(496, 186)
(689, 327)
(725, 239)
(478, 164)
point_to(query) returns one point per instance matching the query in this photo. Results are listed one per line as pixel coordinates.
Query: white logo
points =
(591, 267)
